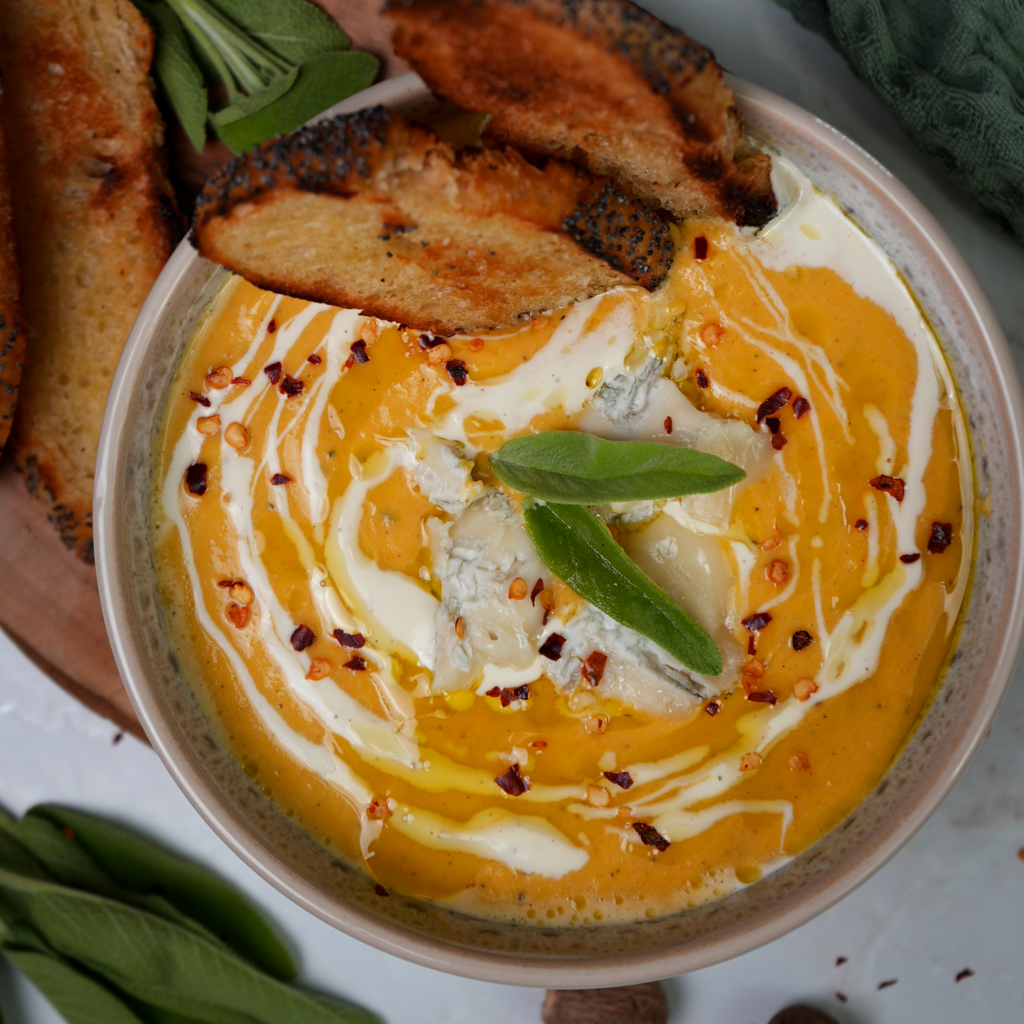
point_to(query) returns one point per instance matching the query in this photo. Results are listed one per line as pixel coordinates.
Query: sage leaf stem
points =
(294, 30)
(572, 467)
(577, 547)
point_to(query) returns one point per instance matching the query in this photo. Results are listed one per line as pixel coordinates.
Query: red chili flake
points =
(512, 782)
(621, 779)
(507, 696)
(890, 484)
(593, 667)
(380, 890)
(350, 362)
(538, 588)
(199, 399)
(965, 973)
(773, 423)
(273, 372)
(430, 341)
(840, 960)
(494, 691)
(668, 424)
(457, 371)
(291, 387)
(702, 379)
(195, 479)
(272, 326)
(751, 645)
(941, 538)
(303, 637)
(763, 697)
(355, 640)
(774, 403)
(700, 248)
(800, 406)
(779, 441)
(314, 359)
(841, 997)
(356, 664)
(861, 524)
(713, 707)
(650, 836)
(241, 381)
(547, 615)
(802, 639)
(887, 984)
(910, 559)
(69, 832)
(359, 352)
(757, 622)
(552, 647)
(280, 478)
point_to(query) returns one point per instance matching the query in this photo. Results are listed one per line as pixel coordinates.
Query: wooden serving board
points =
(49, 603)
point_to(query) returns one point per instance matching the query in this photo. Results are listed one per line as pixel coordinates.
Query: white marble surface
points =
(952, 899)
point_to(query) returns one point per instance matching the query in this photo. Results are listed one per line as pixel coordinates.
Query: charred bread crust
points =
(369, 211)
(12, 335)
(601, 82)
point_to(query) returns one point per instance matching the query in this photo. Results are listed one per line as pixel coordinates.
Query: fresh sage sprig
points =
(278, 62)
(577, 547)
(75, 916)
(568, 470)
(195, 893)
(574, 468)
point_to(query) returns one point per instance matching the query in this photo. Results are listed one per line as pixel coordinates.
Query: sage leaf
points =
(294, 30)
(161, 963)
(14, 857)
(140, 867)
(322, 81)
(77, 998)
(69, 863)
(577, 547)
(574, 468)
(177, 71)
(246, 105)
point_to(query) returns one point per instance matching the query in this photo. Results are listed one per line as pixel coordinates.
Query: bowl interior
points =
(327, 886)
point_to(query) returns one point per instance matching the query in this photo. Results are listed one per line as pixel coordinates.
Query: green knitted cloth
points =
(952, 71)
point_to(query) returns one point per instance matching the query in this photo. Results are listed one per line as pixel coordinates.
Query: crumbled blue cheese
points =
(476, 558)
(443, 475)
(638, 672)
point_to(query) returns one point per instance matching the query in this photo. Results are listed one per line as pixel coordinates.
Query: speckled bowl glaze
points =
(316, 879)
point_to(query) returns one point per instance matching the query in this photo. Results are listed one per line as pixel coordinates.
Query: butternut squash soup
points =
(362, 607)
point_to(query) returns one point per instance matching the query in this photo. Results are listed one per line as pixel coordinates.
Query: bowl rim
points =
(505, 968)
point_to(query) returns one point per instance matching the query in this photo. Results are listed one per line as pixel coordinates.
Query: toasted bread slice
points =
(599, 82)
(12, 336)
(94, 220)
(372, 212)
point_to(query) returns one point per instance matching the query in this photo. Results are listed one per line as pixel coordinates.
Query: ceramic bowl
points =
(316, 879)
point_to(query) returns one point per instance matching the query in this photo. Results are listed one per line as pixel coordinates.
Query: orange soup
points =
(361, 608)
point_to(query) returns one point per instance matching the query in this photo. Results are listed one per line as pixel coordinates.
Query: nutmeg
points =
(631, 1004)
(802, 1015)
